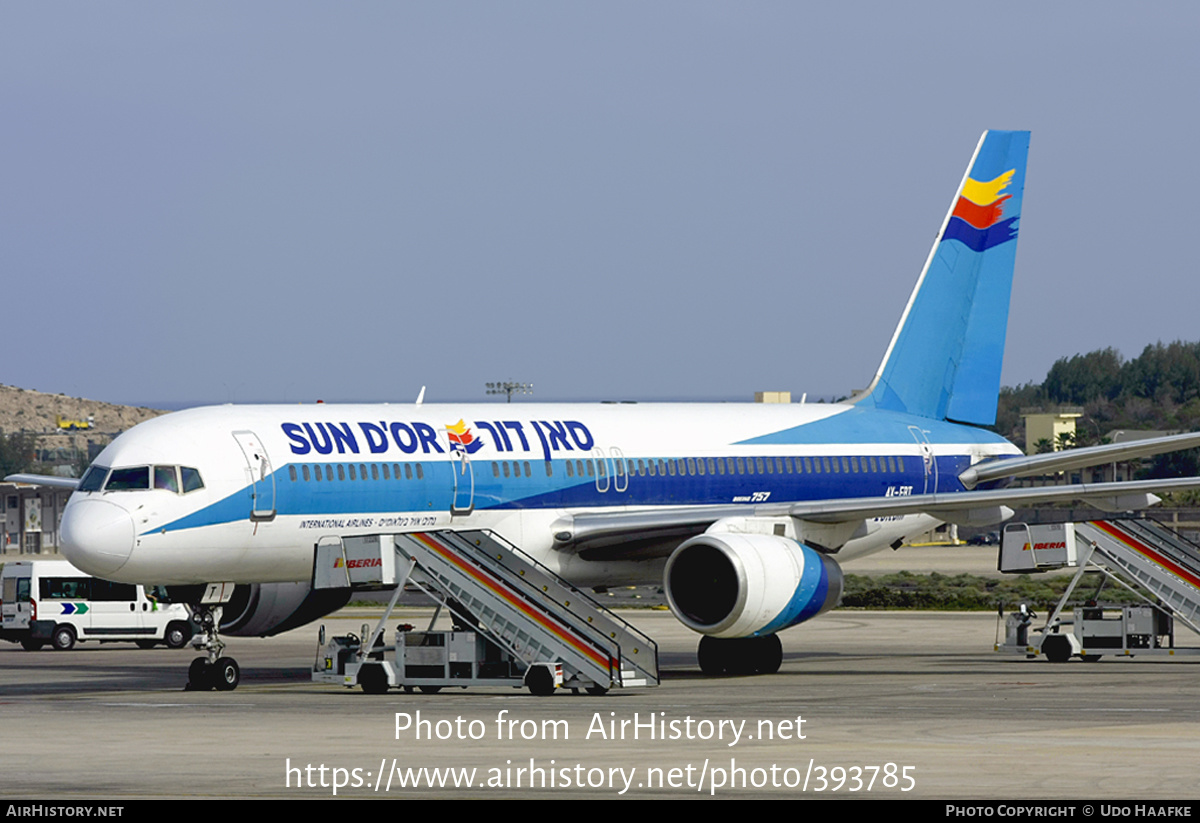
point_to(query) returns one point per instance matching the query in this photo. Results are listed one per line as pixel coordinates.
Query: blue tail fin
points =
(944, 359)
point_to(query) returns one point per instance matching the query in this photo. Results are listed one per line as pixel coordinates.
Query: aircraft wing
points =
(49, 480)
(1137, 494)
(610, 531)
(1069, 459)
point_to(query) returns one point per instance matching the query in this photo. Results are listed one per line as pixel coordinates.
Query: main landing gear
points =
(212, 671)
(740, 655)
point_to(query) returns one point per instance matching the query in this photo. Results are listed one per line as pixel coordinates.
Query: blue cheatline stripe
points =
(808, 598)
(433, 493)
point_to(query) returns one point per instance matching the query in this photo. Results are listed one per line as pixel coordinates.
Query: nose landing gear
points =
(212, 671)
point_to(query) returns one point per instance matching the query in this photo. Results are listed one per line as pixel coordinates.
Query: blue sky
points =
(290, 201)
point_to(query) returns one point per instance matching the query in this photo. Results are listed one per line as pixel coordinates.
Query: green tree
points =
(1085, 377)
(16, 452)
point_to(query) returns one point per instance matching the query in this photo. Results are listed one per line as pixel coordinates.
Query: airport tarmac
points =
(923, 692)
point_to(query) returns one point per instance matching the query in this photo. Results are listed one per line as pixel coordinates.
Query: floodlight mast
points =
(509, 388)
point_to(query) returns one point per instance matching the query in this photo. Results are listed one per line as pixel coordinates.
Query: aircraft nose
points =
(97, 536)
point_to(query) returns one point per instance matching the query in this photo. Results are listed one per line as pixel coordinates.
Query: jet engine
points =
(729, 585)
(266, 609)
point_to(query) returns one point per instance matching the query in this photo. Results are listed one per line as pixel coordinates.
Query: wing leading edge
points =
(48, 480)
(608, 530)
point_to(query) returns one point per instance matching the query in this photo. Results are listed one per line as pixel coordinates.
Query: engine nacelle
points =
(742, 585)
(266, 609)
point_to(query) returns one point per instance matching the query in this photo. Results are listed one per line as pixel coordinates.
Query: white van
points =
(50, 601)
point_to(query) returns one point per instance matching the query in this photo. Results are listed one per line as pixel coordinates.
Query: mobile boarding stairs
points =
(1160, 566)
(516, 623)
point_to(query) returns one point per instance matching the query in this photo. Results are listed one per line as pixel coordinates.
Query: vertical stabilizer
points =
(945, 357)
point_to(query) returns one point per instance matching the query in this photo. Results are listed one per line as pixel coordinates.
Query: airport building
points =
(30, 516)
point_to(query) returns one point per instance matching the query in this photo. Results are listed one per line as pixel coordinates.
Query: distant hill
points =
(26, 410)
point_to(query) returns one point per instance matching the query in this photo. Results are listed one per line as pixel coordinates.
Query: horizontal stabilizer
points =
(1070, 459)
(944, 506)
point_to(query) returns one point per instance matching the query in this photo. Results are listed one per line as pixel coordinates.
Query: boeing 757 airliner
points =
(744, 512)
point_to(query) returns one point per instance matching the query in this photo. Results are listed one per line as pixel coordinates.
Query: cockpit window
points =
(128, 479)
(191, 479)
(139, 478)
(93, 479)
(164, 478)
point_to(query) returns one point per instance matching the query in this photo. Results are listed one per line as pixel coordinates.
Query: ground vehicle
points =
(50, 601)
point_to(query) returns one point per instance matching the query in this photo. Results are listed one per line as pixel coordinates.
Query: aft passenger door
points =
(928, 460)
(260, 474)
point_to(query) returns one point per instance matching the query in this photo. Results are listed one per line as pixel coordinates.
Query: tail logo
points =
(976, 221)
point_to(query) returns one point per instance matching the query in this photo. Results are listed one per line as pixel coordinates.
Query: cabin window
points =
(304, 471)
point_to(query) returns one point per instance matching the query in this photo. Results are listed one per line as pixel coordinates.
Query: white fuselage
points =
(243, 493)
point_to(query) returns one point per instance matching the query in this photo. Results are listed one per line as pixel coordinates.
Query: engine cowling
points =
(741, 585)
(266, 609)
